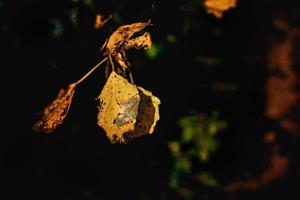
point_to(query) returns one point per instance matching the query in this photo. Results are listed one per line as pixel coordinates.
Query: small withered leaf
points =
(118, 108)
(121, 60)
(123, 34)
(218, 7)
(100, 21)
(54, 114)
(143, 41)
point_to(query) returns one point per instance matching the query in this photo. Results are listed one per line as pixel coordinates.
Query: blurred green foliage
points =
(57, 28)
(197, 143)
(89, 3)
(207, 179)
(154, 51)
(171, 38)
(73, 16)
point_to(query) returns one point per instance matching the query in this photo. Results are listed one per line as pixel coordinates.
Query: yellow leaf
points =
(148, 113)
(118, 109)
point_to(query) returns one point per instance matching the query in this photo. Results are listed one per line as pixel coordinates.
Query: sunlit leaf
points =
(143, 41)
(100, 21)
(118, 109)
(54, 114)
(218, 7)
(123, 34)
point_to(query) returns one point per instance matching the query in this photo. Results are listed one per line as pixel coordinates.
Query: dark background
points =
(77, 161)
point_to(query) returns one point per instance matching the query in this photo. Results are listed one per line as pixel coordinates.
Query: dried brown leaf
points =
(118, 109)
(54, 114)
(122, 61)
(122, 35)
(143, 41)
(100, 21)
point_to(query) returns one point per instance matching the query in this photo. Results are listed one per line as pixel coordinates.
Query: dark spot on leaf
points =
(114, 138)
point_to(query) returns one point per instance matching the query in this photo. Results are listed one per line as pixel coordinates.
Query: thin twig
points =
(91, 71)
(111, 62)
(130, 76)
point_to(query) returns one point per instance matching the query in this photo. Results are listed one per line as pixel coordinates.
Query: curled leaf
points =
(126, 111)
(148, 113)
(122, 35)
(118, 109)
(122, 61)
(54, 114)
(218, 7)
(143, 41)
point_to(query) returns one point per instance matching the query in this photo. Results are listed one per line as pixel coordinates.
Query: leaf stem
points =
(90, 72)
(111, 62)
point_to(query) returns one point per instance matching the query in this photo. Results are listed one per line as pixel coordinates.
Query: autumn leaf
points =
(118, 109)
(54, 114)
(148, 113)
(126, 111)
(100, 21)
(120, 105)
(121, 40)
(143, 41)
(218, 7)
(121, 113)
(122, 35)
